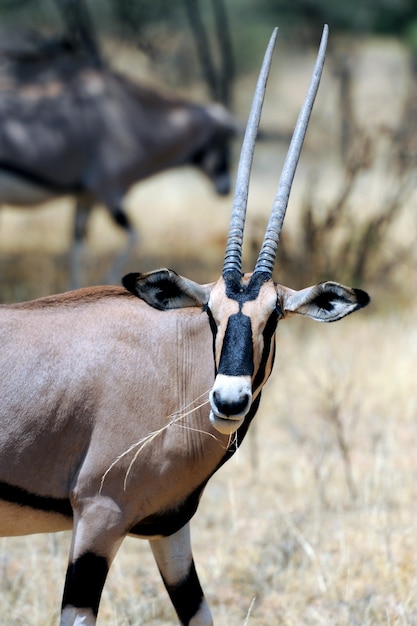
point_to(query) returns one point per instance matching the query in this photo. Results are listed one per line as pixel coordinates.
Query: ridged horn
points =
(233, 254)
(267, 254)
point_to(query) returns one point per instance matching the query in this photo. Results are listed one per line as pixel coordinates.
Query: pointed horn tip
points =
(266, 258)
(240, 197)
(324, 35)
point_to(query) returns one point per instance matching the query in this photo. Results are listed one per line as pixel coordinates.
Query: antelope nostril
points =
(231, 407)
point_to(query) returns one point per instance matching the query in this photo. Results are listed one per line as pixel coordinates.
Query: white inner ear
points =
(294, 301)
(197, 294)
(340, 301)
(153, 289)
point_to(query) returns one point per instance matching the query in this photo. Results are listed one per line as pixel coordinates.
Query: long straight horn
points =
(233, 254)
(266, 258)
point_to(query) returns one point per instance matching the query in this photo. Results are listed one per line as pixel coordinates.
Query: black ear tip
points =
(129, 281)
(362, 297)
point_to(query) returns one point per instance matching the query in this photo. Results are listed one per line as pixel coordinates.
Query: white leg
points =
(77, 617)
(96, 537)
(175, 561)
(117, 269)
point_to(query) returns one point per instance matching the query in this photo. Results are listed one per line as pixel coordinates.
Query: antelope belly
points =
(24, 513)
(23, 520)
(17, 191)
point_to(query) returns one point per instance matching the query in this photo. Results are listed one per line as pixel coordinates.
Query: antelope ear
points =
(165, 289)
(325, 302)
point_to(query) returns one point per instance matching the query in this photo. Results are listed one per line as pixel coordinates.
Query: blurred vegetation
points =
(147, 22)
(365, 252)
(360, 247)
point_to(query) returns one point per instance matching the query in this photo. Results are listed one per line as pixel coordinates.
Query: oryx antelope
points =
(119, 404)
(71, 126)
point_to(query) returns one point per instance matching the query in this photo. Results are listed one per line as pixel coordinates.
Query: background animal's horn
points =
(266, 258)
(233, 254)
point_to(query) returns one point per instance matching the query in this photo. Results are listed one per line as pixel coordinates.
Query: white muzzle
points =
(230, 399)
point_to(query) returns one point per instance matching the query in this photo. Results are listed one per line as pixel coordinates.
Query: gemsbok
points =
(70, 126)
(119, 403)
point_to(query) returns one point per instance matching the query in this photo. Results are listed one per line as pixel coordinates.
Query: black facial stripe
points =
(16, 495)
(236, 357)
(85, 581)
(268, 334)
(235, 290)
(213, 328)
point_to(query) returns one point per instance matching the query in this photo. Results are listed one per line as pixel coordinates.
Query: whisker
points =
(142, 442)
(150, 438)
(181, 412)
(173, 418)
(233, 440)
(177, 416)
(173, 421)
(203, 432)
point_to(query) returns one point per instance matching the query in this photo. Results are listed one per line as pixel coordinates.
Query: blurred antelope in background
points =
(119, 404)
(69, 125)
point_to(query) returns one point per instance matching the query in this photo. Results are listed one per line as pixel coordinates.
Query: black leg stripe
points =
(186, 596)
(85, 581)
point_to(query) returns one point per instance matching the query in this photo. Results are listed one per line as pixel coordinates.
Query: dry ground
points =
(313, 522)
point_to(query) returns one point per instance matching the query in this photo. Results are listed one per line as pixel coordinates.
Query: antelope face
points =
(244, 309)
(243, 315)
(243, 312)
(213, 157)
(214, 162)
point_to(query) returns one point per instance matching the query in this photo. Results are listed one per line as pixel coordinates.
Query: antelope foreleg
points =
(97, 535)
(174, 558)
(83, 587)
(82, 215)
(119, 263)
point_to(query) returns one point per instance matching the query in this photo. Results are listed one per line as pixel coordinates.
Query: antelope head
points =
(244, 308)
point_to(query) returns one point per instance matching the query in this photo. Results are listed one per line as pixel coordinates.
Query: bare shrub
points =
(343, 235)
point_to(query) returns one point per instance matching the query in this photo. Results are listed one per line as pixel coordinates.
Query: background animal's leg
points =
(83, 210)
(118, 267)
(175, 561)
(94, 545)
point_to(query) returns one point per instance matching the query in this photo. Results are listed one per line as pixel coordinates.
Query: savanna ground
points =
(313, 522)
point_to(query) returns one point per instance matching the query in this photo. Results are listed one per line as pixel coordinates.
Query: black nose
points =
(228, 407)
(222, 184)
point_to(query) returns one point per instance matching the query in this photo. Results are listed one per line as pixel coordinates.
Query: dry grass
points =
(313, 521)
